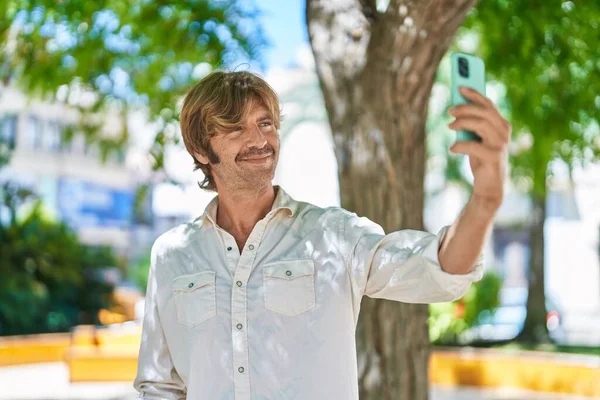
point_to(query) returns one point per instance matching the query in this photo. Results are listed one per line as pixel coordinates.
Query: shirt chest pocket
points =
(289, 286)
(195, 297)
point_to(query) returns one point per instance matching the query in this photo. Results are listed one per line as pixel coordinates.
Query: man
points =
(258, 298)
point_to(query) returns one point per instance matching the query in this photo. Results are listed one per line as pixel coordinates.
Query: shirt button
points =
(251, 247)
(241, 369)
(191, 285)
(288, 273)
(239, 326)
(229, 248)
(239, 283)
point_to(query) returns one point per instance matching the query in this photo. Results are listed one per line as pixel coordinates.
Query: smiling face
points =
(229, 122)
(245, 157)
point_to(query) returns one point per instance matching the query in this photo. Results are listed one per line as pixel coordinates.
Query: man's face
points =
(246, 157)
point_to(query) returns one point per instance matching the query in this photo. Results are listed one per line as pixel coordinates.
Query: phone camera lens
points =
(463, 67)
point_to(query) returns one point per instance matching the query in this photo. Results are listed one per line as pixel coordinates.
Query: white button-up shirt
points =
(278, 321)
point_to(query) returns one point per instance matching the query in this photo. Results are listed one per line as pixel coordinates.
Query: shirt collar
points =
(282, 201)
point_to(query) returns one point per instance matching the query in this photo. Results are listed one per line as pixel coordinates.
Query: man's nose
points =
(256, 138)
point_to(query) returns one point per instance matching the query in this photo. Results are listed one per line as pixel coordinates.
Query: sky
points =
(285, 28)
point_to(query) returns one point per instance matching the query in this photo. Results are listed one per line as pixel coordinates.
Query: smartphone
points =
(467, 70)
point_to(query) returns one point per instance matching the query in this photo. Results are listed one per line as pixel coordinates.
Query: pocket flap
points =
(189, 283)
(290, 269)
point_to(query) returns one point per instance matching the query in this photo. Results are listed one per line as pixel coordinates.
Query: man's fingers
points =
(474, 149)
(477, 111)
(481, 127)
(476, 97)
(483, 103)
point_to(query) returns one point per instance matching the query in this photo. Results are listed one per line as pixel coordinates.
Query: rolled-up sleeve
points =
(402, 266)
(156, 375)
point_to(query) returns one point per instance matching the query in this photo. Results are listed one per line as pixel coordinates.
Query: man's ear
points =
(202, 158)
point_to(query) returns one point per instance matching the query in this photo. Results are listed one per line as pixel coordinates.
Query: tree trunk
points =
(376, 70)
(535, 329)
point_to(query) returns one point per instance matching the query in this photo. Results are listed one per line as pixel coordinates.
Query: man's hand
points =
(488, 158)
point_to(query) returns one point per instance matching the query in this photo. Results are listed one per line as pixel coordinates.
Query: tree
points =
(547, 59)
(376, 62)
(122, 55)
(125, 54)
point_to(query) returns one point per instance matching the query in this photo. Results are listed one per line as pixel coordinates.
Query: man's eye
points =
(265, 124)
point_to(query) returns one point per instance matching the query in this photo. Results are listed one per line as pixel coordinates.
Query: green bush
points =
(138, 271)
(448, 320)
(42, 267)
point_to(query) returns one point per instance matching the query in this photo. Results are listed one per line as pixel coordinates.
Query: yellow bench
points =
(102, 364)
(110, 354)
(537, 371)
(104, 354)
(28, 349)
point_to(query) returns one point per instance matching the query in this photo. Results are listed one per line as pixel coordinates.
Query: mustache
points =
(255, 151)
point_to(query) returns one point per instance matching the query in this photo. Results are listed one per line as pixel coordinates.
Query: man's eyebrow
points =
(264, 117)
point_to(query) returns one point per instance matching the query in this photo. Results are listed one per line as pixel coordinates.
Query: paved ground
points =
(51, 382)
(438, 393)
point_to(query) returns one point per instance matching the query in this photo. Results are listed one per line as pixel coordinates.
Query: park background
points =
(93, 169)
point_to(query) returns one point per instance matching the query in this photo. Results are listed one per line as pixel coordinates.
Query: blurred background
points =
(93, 170)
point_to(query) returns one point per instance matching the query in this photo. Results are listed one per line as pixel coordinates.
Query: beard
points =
(241, 173)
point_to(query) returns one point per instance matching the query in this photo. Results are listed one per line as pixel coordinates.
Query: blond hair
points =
(219, 103)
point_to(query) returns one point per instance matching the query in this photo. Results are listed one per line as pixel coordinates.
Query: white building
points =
(95, 198)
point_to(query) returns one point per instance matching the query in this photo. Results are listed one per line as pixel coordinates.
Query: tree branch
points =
(406, 26)
(369, 9)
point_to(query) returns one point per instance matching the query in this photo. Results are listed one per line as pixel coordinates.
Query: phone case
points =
(474, 80)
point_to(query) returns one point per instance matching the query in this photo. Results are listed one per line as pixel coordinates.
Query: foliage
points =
(42, 264)
(547, 59)
(99, 57)
(138, 271)
(448, 320)
(95, 294)
(544, 63)
(115, 56)
(122, 54)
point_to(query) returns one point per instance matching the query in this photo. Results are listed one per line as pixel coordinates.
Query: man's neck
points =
(238, 212)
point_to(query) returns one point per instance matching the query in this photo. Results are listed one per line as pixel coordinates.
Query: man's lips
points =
(255, 159)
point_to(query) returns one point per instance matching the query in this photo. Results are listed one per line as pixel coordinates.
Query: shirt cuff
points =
(455, 284)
